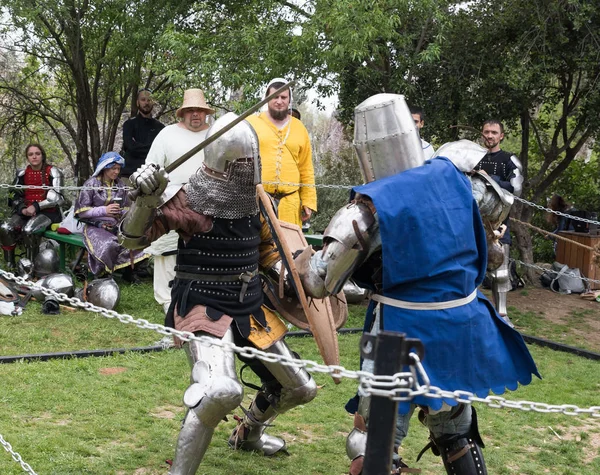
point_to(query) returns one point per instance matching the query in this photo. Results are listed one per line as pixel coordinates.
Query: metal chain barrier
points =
(543, 269)
(558, 213)
(309, 185)
(16, 456)
(402, 386)
(64, 187)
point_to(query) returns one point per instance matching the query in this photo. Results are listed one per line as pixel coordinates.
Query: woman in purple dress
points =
(100, 211)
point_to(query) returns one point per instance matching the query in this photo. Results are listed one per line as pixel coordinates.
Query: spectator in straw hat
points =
(171, 143)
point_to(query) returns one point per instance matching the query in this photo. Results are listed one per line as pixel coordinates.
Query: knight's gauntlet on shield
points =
(350, 238)
(149, 182)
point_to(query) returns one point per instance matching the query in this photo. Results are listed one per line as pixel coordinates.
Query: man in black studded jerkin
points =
(506, 169)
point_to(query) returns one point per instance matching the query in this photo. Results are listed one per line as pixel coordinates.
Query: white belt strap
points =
(425, 305)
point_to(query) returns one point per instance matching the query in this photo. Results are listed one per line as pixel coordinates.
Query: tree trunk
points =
(522, 235)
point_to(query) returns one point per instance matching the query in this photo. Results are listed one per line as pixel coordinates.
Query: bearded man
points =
(506, 170)
(286, 157)
(138, 134)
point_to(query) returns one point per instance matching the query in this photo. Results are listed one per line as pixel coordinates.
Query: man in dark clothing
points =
(506, 170)
(138, 134)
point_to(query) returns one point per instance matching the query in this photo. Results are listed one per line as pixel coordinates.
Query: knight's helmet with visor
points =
(385, 137)
(225, 184)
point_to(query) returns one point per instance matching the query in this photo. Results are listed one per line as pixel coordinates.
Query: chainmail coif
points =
(232, 199)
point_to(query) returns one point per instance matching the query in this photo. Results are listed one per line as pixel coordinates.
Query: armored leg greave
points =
(501, 284)
(31, 236)
(460, 452)
(356, 443)
(213, 393)
(32, 245)
(9, 258)
(294, 386)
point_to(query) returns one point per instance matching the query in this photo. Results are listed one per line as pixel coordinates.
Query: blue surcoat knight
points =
(434, 250)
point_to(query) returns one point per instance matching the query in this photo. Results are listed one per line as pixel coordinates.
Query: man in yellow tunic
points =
(286, 158)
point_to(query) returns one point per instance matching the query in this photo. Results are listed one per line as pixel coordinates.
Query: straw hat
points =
(194, 98)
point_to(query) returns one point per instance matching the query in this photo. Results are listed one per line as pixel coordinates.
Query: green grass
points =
(532, 323)
(121, 415)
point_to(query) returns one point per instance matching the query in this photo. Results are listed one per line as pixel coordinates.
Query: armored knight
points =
(506, 171)
(414, 236)
(33, 209)
(217, 291)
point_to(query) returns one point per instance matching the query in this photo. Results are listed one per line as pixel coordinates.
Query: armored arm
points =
(494, 204)
(16, 199)
(350, 238)
(493, 201)
(150, 181)
(54, 198)
(516, 177)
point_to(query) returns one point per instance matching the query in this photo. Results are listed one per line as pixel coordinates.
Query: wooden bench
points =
(315, 240)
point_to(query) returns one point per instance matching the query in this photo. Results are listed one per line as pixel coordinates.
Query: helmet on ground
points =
(61, 283)
(46, 262)
(103, 293)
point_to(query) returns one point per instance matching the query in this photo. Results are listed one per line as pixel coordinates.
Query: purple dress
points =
(99, 235)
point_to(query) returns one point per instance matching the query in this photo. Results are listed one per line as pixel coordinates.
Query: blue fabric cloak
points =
(434, 250)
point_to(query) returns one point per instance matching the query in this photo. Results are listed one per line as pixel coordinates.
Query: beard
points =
(278, 114)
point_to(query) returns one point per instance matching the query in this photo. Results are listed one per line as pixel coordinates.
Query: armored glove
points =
(149, 181)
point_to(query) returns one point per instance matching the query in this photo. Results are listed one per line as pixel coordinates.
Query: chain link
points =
(403, 386)
(65, 188)
(543, 269)
(558, 213)
(16, 456)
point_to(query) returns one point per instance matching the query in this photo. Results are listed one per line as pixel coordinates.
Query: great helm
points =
(225, 184)
(386, 137)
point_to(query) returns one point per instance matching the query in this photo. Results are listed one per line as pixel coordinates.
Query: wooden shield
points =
(316, 315)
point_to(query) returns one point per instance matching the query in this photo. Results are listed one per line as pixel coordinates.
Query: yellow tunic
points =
(286, 158)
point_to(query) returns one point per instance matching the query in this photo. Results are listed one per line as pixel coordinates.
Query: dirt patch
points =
(166, 412)
(552, 305)
(109, 371)
(580, 317)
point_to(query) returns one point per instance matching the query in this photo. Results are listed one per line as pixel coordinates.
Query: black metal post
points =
(382, 411)
(390, 354)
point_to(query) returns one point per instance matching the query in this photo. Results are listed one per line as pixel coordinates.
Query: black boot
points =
(130, 275)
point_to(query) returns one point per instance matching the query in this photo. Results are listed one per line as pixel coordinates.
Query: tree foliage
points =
(535, 64)
(78, 62)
